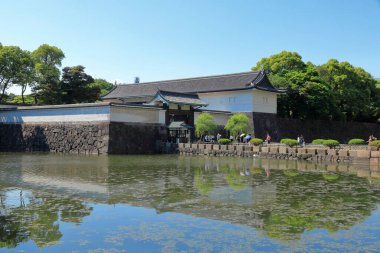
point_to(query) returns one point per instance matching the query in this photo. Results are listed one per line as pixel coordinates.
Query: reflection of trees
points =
(234, 179)
(11, 232)
(311, 201)
(203, 181)
(38, 220)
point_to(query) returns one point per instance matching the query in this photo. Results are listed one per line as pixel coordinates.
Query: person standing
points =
(267, 139)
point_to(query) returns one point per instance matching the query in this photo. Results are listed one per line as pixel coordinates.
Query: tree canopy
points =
(205, 123)
(40, 70)
(238, 123)
(334, 90)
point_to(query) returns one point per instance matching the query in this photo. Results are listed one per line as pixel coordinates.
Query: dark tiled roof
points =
(181, 98)
(239, 81)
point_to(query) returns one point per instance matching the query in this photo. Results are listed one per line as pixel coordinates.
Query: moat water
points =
(68, 203)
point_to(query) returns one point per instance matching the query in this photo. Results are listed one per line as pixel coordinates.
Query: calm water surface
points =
(63, 203)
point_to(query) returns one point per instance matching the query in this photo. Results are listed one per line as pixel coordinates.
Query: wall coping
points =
(83, 105)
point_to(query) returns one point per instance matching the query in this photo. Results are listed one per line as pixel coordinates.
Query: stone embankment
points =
(315, 153)
(66, 138)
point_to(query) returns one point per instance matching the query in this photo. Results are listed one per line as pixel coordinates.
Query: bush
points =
(205, 123)
(357, 142)
(375, 143)
(238, 123)
(318, 141)
(224, 141)
(289, 142)
(331, 143)
(256, 141)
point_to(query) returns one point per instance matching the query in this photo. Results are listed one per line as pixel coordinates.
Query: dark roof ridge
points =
(191, 78)
(175, 92)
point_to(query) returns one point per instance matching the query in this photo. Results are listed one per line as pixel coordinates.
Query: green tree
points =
(15, 66)
(75, 86)
(354, 90)
(307, 95)
(205, 123)
(103, 85)
(238, 123)
(280, 65)
(48, 59)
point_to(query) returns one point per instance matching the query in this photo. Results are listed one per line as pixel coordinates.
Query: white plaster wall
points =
(233, 101)
(137, 115)
(241, 101)
(220, 118)
(42, 115)
(264, 101)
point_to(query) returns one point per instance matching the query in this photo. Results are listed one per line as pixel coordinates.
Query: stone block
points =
(201, 146)
(223, 147)
(240, 148)
(301, 151)
(187, 145)
(248, 148)
(283, 150)
(194, 145)
(256, 149)
(231, 147)
(332, 152)
(265, 149)
(360, 153)
(209, 146)
(375, 154)
(292, 150)
(311, 151)
(343, 152)
(273, 149)
(374, 161)
(215, 147)
(321, 151)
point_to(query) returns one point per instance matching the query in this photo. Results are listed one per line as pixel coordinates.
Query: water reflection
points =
(281, 199)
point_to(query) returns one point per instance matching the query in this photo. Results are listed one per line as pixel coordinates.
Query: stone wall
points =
(370, 155)
(280, 128)
(128, 138)
(68, 138)
(84, 138)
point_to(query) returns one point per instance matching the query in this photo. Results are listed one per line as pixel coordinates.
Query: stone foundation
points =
(83, 138)
(312, 153)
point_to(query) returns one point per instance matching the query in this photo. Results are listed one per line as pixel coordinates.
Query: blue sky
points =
(167, 39)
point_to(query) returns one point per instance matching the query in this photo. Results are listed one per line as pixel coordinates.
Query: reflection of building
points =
(284, 204)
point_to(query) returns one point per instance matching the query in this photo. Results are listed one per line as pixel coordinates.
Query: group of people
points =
(301, 140)
(241, 138)
(371, 138)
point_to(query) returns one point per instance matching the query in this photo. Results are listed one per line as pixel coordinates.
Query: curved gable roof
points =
(239, 81)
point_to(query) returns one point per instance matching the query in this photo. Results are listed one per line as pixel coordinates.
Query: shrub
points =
(375, 143)
(289, 142)
(256, 141)
(238, 124)
(318, 141)
(224, 141)
(357, 142)
(205, 123)
(331, 143)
